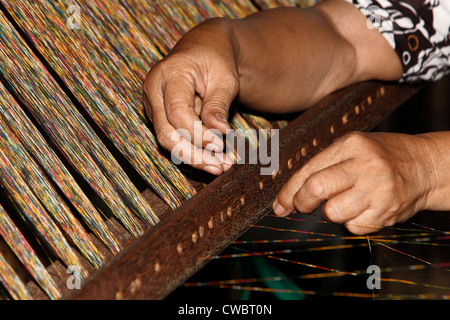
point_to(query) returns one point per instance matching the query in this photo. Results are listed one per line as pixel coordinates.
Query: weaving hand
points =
(194, 81)
(370, 180)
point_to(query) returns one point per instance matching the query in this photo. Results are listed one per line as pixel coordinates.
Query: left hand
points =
(368, 180)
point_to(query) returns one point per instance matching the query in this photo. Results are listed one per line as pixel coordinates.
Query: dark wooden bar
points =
(155, 264)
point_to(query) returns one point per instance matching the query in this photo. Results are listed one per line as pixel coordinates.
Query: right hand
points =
(196, 82)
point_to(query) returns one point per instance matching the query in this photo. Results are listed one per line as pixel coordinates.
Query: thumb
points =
(216, 104)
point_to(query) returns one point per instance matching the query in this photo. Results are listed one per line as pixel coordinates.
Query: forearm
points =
(283, 50)
(319, 50)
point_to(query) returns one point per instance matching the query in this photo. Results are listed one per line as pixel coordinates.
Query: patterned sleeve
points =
(419, 32)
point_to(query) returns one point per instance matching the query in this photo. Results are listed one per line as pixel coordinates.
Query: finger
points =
(306, 195)
(322, 185)
(335, 153)
(345, 206)
(366, 222)
(217, 99)
(183, 151)
(152, 94)
(226, 160)
(179, 102)
(198, 105)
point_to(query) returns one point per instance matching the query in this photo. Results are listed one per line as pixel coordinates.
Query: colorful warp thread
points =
(37, 182)
(418, 241)
(31, 210)
(70, 131)
(321, 275)
(28, 257)
(232, 284)
(166, 21)
(340, 294)
(330, 272)
(110, 91)
(407, 254)
(13, 116)
(119, 54)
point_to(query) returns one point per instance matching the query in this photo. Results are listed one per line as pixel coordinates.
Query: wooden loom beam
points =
(155, 264)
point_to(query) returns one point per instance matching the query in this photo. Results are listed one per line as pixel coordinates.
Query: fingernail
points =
(213, 170)
(222, 118)
(278, 209)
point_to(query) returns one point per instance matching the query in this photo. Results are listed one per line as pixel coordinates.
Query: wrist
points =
(213, 37)
(435, 155)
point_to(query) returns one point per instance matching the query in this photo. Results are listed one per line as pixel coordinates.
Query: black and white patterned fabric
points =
(418, 30)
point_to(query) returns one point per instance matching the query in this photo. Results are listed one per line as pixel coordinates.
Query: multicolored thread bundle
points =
(103, 83)
(13, 116)
(49, 142)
